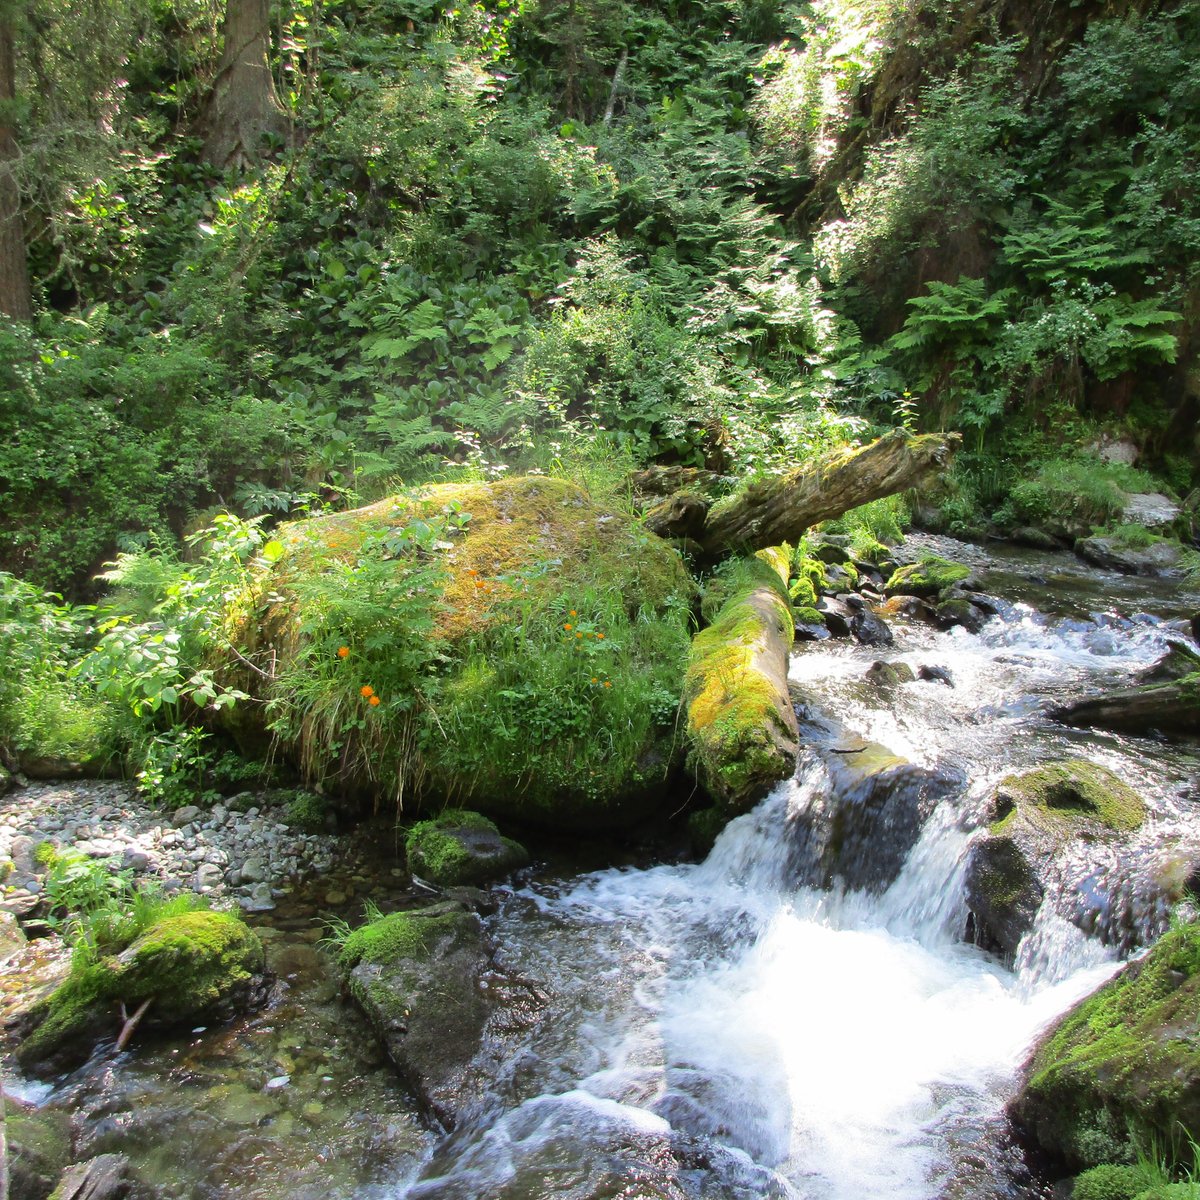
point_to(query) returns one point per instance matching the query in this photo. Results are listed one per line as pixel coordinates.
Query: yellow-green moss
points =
(1123, 1067)
(460, 847)
(1060, 794)
(735, 726)
(926, 578)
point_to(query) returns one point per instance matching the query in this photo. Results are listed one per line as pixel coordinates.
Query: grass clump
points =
(1111, 1181)
(1093, 491)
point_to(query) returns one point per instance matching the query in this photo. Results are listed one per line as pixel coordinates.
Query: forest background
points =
(275, 259)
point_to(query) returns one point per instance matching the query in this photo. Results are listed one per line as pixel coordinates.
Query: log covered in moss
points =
(1172, 706)
(741, 724)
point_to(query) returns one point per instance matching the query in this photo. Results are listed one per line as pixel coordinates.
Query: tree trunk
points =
(15, 299)
(1169, 707)
(244, 106)
(781, 509)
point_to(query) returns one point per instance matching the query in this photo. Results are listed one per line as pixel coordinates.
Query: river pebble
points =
(243, 856)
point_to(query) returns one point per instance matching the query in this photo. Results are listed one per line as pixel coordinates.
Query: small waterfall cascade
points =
(800, 1014)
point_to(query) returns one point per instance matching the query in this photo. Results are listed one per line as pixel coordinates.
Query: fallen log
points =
(776, 510)
(1173, 706)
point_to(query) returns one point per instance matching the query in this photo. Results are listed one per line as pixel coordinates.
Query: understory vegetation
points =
(567, 238)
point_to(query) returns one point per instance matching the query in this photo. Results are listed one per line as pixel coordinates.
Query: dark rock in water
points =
(912, 607)
(1003, 894)
(1173, 704)
(1179, 661)
(1123, 1064)
(837, 615)
(1158, 558)
(861, 828)
(935, 675)
(853, 601)
(1037, 815)
(811, 631)
(958, 610)
(885, 674)
(869, 629)
(461, 847)
(838, 579)
(106, 1177)
(419, 976)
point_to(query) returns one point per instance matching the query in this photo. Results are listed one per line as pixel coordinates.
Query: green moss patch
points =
(927, 578)
(740, 722)
(461, 847)
(1122, 1069)
(189, 965)
(1065, 793)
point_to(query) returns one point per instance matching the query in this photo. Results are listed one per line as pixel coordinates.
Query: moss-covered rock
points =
(39, 1147)
(1037, 815)
(927, 578)
(1072, 794)
(522, 647)
(191, 966)
(417, 977)
(740, 721)
(460, 847)
(1122, 1069)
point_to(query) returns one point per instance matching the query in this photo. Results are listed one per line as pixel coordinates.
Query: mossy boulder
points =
(1122, 1069)
(927, 578)
(521, 644)
(417, 976)
(460, 847)
(740, 721)
(1036, 816)
(192, 966)
(39, 1147)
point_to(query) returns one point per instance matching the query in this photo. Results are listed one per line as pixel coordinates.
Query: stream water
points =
(799, 1015)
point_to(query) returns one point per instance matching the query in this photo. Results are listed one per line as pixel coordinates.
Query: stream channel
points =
(800, 1015)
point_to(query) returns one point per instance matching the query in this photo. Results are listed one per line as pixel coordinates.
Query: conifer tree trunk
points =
(244, 105)
(15, 299)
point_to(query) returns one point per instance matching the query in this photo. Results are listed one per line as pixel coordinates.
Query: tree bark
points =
(15, 300)
(780, 509)
(1170, 707)
(243, 107)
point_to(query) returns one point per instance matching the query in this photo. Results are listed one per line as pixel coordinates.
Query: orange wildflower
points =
(366, 690)
(343, 651)
(608, 683)
(600, 636)
(568, 626)
(374, 700)
(579, 635)
(572, 613)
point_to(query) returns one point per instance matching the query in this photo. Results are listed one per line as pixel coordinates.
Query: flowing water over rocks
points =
(801, 1015)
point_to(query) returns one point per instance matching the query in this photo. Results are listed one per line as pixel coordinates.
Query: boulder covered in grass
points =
(519, 645)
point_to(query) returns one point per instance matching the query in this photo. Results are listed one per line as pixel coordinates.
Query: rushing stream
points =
(800, 1015)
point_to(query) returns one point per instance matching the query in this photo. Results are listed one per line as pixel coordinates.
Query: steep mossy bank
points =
(1121, 1072)
(515, 645)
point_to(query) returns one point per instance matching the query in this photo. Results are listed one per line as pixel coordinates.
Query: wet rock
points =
(934, 674)
(107, 1177)
(837, 615)
(870, 630)
(810, 626)
(185, 816)
(1036, 817)
(461, 847)
(958, 610)
(831, 549)
(1125, 1062)
(860, 830)
(1151, 509)
(1158, 558)
(417, 977)
(912, 607)
(884, 674)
